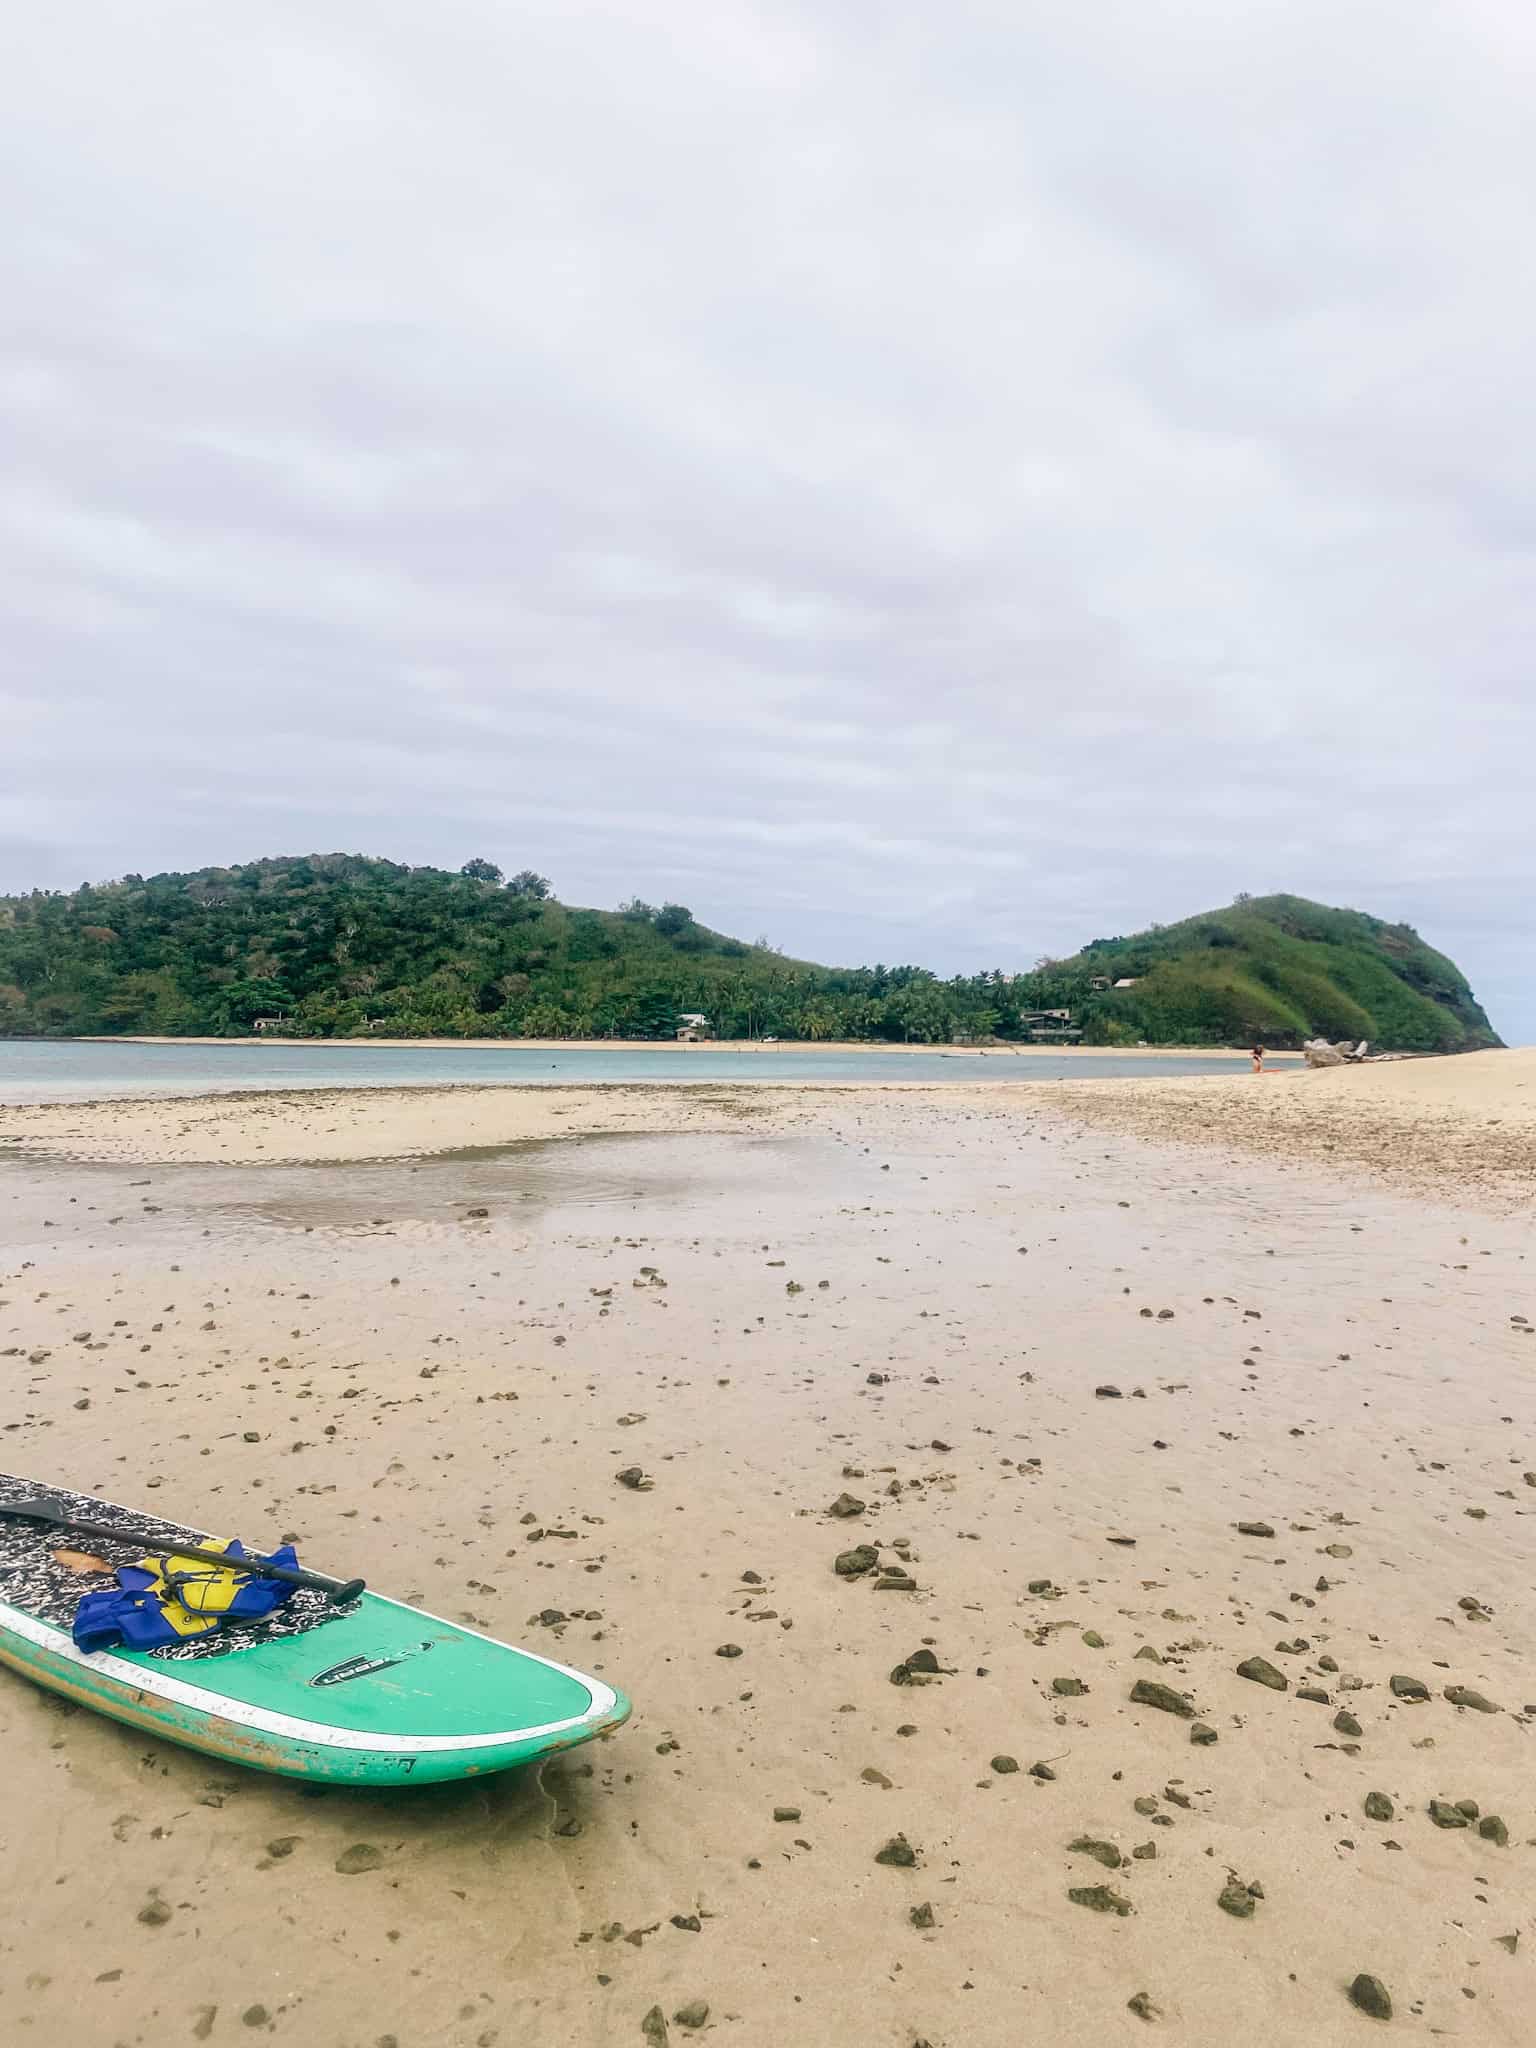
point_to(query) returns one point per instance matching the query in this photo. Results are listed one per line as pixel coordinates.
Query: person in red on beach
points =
(1258, 1059)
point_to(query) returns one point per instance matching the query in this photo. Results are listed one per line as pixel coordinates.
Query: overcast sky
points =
(923, 483)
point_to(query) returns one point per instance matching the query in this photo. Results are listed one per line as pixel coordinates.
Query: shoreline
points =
(1462, 1127)
(672, 1045)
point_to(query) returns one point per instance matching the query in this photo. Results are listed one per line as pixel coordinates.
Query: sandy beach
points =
(1141, 1380)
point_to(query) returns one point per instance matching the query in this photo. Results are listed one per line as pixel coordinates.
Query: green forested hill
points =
(336, 944)
(1282, 969)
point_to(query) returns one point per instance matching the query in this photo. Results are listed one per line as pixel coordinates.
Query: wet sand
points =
(920, 1301)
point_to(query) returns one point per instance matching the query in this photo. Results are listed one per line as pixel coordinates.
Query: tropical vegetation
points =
(338, 945)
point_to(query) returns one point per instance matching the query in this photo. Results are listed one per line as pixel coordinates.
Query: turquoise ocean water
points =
(51, 1070)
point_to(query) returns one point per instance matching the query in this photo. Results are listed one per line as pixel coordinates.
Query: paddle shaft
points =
(51, 1513)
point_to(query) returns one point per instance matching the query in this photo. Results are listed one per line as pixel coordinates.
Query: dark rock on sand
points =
(1101, 1852)
(693, 2014)
(898, 1853)
(361, 1856)
(1202, 1735)
(1141, 2004)
(1492, 1829)
(922, 1664)
(1262, 1672)
(850, 1564)
(1379, 1807)
(1408, 1688)
(846, 1506)
(1068, 1688)
(1345, 1723)
(1371, 1996)
(1099, 1898)
(1464, 1696)
(922, 1916)
(1150, 1692)
(1239, 1899)
(1444, 1815)
(1254, 1529)
(1005, 1766)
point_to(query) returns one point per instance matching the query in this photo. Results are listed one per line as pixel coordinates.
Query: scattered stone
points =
(1464, 1696)
(1254, 1529)
(1444, 1815)
(1492, 1829)
(693, 2014)
(1107, 1393)
(1379, 1807)
(1314, 1693)
(846, 1506)
(1203, 1735)
(1101, 1852)
(1239, 1899)
(922, 1916)
(1150, 1692)
(786, 1813)
(283, 1845)
(1068, 1688)
(360, 1857)
(634, 1479)
(1262, 1672)
(851, 1564)
(916, 1669)
(654, 2027)
(1099, 1898)
(1043, 1772)
(1141, 2004)
(153, 1913)
(1408, 1688)
(729, 1650)
(1345, 1723)
(1005, 1766)
(898, 1854)
(1371, 1996)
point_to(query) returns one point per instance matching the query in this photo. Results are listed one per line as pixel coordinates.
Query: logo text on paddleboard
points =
(362, 1667)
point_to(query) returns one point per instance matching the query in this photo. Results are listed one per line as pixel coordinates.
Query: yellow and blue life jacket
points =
(166, 1599)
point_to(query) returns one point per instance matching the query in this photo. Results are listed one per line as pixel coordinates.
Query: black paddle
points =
(57, 1517)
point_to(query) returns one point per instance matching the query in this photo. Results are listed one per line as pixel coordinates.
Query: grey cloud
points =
(927, 485)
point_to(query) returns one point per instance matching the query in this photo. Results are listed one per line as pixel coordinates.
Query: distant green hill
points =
(336, 945)
(1277, 968)
(339, 945)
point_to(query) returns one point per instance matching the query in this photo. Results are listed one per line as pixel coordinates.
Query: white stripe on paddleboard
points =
(158, 1683)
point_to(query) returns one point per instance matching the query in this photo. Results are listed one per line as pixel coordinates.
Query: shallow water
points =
(72, 1070)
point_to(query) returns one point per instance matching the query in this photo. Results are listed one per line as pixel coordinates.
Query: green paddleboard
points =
(374, 1693)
